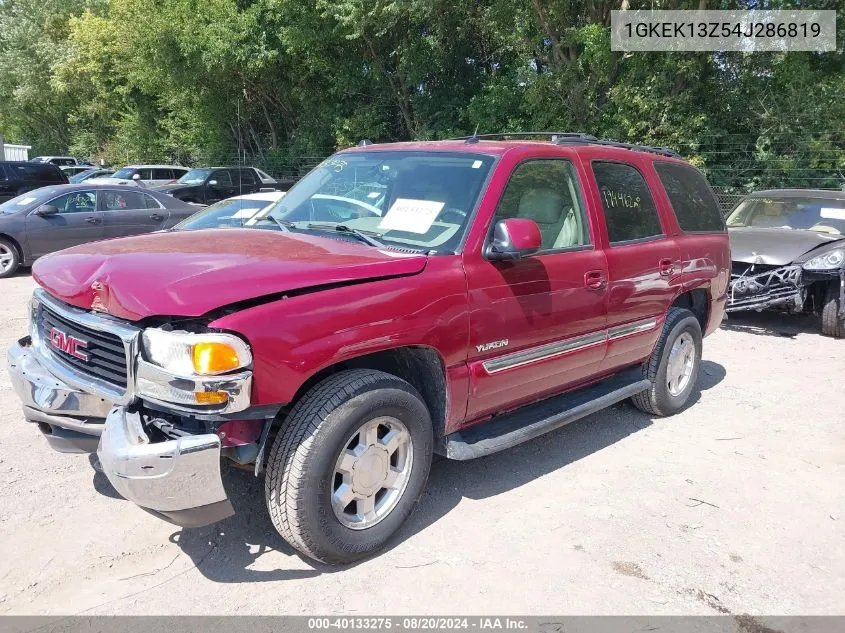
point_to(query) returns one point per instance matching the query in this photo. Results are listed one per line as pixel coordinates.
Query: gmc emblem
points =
(68, 344)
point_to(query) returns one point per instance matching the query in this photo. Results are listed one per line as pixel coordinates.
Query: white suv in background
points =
(143, 174)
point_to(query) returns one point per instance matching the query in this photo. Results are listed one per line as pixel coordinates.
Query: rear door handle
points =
(92, 220)
(157, 217)
(667, 267)
(595, 280)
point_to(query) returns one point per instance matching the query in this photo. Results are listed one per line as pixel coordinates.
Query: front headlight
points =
(830, 260)
(187, 354)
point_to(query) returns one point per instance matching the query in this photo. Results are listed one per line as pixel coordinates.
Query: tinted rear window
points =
(692, 199)
(628, 206)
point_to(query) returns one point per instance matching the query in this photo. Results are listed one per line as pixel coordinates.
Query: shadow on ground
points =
(226, 551)
(772, 324)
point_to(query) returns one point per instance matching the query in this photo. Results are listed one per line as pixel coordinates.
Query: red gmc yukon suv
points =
(452, 297)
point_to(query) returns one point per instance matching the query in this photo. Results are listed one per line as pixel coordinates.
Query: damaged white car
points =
(788, 252)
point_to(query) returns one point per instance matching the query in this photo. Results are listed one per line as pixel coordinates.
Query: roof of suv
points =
(154, 166)
(500, 147)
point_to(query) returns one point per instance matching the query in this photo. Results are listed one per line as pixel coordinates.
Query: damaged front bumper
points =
(780, 287)
(70, 419)
(177, 480)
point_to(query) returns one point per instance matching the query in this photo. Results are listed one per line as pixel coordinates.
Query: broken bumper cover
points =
(781, 287)
(70, 419)
(177, 480)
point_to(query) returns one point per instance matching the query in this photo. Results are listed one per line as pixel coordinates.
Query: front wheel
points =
(349, 465)
(833, 321)
(10, 259)
(673, 365)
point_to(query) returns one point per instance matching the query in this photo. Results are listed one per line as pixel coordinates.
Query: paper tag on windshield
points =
(25, 201)
(413, 216)
(833, 213)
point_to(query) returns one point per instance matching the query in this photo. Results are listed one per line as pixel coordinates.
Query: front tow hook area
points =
(176, 480)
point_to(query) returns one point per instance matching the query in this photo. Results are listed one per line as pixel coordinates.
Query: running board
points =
(530, 421)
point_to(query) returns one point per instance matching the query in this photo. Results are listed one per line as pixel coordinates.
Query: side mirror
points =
(211, 183)
(136, 176)
(514, 238)
(46, 210)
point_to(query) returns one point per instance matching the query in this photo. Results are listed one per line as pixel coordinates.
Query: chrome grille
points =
(105, 351)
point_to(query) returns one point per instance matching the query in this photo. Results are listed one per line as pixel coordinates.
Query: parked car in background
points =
(143, 174)
(212, 184)
(52, 218)
(59, 160)
(502, 290)
(788, 251)
(90, 173)
(73, 170)
(17, 177)
(239, 211)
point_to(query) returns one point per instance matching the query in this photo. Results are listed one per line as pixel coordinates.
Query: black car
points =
(52, 218)
(788, 251)
(212, 184)
(17, 177)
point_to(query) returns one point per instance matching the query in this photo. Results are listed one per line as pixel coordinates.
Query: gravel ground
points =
(737, 505)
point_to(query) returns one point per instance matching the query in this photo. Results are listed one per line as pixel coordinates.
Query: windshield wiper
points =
(342, 228)
(284, 225)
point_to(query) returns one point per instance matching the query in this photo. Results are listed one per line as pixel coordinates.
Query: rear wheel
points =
(833, 322)
(349, 465)
(10, 258)
(673, 365)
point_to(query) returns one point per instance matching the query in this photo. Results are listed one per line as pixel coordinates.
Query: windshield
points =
(227, 213)
(194, 177)
(26, 200)
(125, 174)
(815, 214)
(90, 173)
(420, 200)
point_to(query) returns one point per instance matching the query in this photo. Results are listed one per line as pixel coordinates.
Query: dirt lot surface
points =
(737, 505)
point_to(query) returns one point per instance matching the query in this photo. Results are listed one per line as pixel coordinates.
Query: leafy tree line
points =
(204, 81)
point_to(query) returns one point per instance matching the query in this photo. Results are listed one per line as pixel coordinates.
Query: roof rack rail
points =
(574, 138)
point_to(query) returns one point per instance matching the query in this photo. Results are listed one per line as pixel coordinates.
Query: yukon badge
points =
(486, 347)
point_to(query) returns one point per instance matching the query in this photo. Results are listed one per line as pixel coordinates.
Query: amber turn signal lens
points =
(211, 397)
(213, 358)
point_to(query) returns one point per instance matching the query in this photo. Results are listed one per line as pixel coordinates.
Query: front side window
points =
(419, 200)
(76, 202)
(120, 200)
(628, 206)
(547, 192)
(693, 201)
(223, 178)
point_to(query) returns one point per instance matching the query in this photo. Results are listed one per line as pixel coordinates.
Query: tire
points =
(10, 258)
(832, 324)
(660, 400)
(302, 485)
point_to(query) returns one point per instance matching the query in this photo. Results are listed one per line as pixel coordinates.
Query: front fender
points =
(293, 338)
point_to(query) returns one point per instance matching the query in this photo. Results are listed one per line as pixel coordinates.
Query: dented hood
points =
(189, 273)
(775, 246)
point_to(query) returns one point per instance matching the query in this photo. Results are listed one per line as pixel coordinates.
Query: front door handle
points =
(92, 220)
(595, 280)
(667, 267)
(157, 217)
